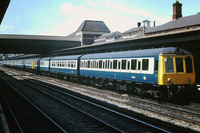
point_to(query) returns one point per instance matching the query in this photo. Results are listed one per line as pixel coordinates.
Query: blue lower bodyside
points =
(64, 71)
(124, 76)
(28, 67)
(19, 66)
(44, 69)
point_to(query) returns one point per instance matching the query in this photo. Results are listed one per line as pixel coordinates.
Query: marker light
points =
(189, 80)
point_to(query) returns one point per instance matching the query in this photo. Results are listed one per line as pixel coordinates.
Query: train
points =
(158, 72)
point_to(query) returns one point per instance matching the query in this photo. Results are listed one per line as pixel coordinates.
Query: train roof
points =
(45, 59)
(70, 57)
(138, 53)
(35, 59)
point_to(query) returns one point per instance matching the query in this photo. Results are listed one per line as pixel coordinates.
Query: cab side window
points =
(188, 62)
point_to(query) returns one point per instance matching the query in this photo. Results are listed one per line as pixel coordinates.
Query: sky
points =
(63, 17)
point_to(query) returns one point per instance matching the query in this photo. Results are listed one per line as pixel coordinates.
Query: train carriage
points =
(7, 63)
(170, 69)
(160, 72)
(65, 65)
(18, 63)
(44, 65)
(31, 64)
(135, 66)
(36, 64)
(28, 63)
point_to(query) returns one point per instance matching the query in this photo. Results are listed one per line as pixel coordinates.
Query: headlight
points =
(169, 80)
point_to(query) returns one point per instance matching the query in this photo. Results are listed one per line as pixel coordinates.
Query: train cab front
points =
(177, 75)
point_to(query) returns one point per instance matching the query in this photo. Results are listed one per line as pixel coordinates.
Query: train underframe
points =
(164, 93)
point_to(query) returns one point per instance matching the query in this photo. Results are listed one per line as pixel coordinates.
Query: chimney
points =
(177, 10)
(139, 24)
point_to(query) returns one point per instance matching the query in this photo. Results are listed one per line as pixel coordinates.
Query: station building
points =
(93, 32)
(89, 30)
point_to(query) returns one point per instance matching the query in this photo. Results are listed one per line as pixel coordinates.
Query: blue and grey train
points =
(160, 72)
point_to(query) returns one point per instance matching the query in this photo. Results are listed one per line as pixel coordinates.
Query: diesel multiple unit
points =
(161, 72)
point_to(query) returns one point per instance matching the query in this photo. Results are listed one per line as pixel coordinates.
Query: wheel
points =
(170, 95)
(171, 92)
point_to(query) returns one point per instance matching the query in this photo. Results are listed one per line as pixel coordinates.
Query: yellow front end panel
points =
(174, 78)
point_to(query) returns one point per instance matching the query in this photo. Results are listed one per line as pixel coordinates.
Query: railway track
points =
(180, 113)
(24, 115)
(91, 113)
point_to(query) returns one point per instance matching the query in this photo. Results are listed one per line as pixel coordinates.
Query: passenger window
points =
(100, 64)
(124, 64)
(103, 64)
(68, 64)
(72, 65)
(188, 62)
(179, 65)
(133, 64)
(95, 64)
(114, 64)
(145, 64)
(91, 64)
(110, 64)
(169, 65)
(106, 64)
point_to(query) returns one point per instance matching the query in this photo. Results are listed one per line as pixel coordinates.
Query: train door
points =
(139, 69)
(32, 64)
